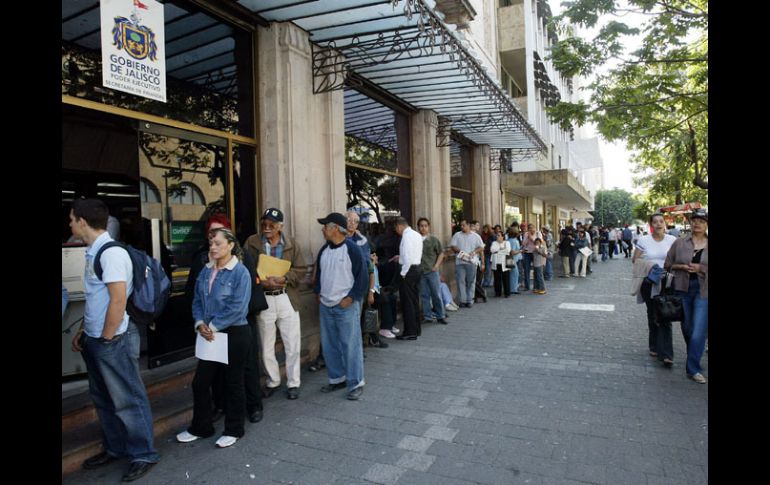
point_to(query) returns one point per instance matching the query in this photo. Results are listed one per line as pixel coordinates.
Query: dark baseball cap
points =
(700, 214)
(336, 218)
(273, 214)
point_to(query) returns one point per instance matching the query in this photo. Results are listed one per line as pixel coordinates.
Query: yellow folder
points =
(270, 266)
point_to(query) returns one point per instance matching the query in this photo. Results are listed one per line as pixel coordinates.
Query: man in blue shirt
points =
(116, 387)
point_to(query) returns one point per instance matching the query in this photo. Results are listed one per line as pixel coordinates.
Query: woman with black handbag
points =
(688, 259)
(652, 249)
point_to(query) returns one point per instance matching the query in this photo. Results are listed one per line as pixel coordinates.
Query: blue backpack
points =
(151, 285)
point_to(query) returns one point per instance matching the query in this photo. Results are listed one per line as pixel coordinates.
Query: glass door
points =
(183, 180)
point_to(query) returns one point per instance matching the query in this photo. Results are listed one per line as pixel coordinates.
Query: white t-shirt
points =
(466, 243)
(653, 250)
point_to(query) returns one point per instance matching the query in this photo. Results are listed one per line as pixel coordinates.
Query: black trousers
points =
(661, 338)
(251, 375)
(502, 281)
(409, 287)
(239, 341)
(479, 291)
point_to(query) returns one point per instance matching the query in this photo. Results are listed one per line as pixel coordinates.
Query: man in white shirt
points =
(410, 258)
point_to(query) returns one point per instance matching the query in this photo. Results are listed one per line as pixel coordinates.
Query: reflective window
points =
(148, 192)
(186, 194)
(208, 67)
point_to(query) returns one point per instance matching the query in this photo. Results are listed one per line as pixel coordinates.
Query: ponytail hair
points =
(230, 237)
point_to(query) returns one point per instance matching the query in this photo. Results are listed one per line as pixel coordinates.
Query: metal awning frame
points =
(430, 43)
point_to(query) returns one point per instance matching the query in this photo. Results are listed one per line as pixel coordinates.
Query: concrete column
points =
(486, 188)
(302, 154)
(302, 142)
(430, 172)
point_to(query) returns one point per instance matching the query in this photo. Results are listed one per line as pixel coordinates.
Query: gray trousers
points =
(466, 281)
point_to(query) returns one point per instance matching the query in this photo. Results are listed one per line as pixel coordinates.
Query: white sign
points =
(133, 47)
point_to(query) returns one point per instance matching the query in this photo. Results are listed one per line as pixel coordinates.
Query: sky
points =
(617, 166)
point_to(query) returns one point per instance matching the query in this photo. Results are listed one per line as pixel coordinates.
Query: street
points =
(533, 389)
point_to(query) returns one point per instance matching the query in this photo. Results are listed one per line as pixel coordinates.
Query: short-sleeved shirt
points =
(466, 243)
(653, 250)
(431, 250)
(116, 266)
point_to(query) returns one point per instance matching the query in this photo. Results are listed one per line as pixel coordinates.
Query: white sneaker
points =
(395, 331)
(186, 437)
(387, 333)
(224, 441)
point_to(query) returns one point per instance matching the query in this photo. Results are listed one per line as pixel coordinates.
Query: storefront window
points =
(378, 166)
(208, 67)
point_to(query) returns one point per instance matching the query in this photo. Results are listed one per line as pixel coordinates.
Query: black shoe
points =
(333, 387)
(442, 321)
(485, 299)
(356, 393)
(406, 337)
(269, 391)
(137, 470)
(255, 416)
(99, 460)
(316, 366)
(379, 344)
(292, 393)
(427, 320)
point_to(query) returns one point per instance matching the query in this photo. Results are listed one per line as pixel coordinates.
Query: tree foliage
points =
(655, 98)
(614, 207)
(373, 189)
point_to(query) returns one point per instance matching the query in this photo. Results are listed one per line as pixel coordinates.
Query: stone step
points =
(171, 412)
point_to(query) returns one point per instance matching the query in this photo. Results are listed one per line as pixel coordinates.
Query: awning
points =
(556, 187)
(405, 48)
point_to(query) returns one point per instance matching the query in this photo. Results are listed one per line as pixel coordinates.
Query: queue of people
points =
(227, 296)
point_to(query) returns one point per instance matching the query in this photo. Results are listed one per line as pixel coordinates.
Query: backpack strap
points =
(98, 258)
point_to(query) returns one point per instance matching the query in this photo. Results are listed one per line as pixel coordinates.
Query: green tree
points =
(376, 190)
(655, 98)
(614, 207)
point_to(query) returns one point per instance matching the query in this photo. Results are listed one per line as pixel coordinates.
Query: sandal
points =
(668, 362)
(653, 353)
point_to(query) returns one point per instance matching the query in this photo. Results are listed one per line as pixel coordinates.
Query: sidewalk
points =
(513, 391)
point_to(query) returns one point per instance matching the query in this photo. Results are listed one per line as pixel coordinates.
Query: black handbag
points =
(258, 302)
(509, 263)
(371, 320)
(667, 306)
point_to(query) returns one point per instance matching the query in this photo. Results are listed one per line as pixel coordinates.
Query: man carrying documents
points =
(280, 264)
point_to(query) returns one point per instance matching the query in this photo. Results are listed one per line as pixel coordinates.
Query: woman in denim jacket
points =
(688, 258)
(221, 303)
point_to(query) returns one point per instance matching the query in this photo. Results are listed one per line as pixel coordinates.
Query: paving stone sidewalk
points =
(513, 391)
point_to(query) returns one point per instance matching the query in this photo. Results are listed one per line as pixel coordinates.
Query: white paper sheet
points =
(215, 351)
(585, 251)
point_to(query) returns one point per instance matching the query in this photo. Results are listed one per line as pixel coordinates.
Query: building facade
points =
(554, 186)
(388, 108)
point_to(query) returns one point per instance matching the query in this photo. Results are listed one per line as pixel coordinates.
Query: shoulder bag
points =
(667, 306)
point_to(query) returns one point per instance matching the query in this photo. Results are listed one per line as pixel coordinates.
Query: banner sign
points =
(133, 47)
(185, 232)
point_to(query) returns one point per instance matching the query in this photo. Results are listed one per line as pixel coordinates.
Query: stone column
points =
(301, 134)
(430, 172)
(486, 188)
(302, 154)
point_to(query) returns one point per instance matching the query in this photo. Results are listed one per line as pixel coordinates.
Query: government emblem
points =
(137, 40)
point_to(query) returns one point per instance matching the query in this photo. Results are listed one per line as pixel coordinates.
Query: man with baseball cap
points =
(280, 311)
(341, 282)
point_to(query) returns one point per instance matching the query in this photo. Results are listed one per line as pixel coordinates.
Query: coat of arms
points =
(136, 39)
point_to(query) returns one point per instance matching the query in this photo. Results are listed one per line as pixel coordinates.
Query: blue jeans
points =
(487, 270)
(513, 274)
(548, 272)
(539, 282)
(604, 249)
(341, 341)
(695, 325)
(528, 261)
(120, 398)
(429, 292)
(466, 281)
